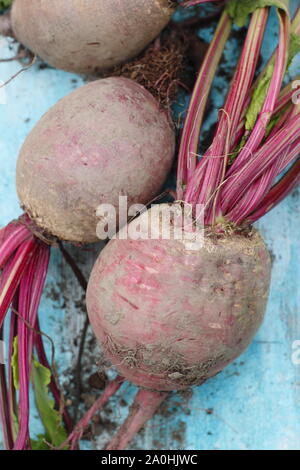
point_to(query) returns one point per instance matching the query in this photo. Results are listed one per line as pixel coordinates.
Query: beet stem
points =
(259, 131)
(144, 407)
(75, 436)
(187, 158)
(262, 161)
(13, 331)
(16, 237)
(218, 153)
(73, 265)
(279, 191)
(25, 291)
(4, 407)
(13, 273)
(83, 283)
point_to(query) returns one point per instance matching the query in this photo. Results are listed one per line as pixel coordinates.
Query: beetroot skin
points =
(168, 317)
(106, 139)
(86, 36)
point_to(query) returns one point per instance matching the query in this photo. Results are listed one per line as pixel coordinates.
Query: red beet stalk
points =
(24, 262)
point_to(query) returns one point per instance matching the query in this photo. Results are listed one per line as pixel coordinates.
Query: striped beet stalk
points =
(210, 170)
(187, 158)
(24, 263)
(233, 190)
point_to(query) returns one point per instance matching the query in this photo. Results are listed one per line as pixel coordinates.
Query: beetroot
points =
(186, 323)
(86, 36)
(89, 36)
(77, 146)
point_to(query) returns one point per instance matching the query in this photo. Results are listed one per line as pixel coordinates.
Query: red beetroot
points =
(190, 312)
(76, 148)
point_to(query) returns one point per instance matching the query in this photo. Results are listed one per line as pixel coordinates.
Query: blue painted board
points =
(255, 402)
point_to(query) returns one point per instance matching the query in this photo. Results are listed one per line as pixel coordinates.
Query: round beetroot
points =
(86, 36)
(169, 316)
(106, 139)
